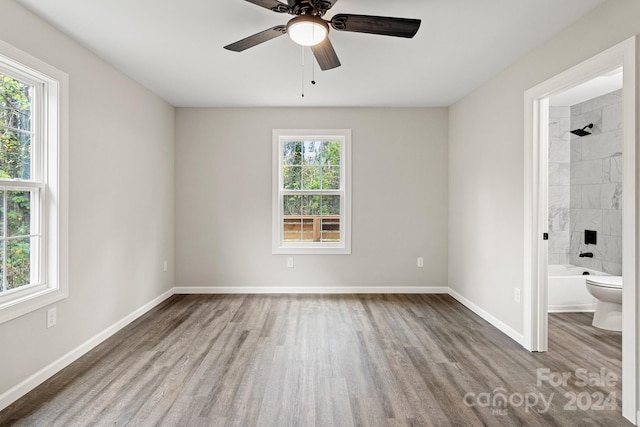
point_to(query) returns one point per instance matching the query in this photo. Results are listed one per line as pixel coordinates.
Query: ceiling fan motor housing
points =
(310, 7)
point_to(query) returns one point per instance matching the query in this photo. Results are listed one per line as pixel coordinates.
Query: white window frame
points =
(279, 246)
(50, 181)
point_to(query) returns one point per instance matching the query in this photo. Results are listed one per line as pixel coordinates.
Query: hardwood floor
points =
(330, 360)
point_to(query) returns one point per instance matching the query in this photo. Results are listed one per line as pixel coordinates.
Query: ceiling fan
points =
(308, 28)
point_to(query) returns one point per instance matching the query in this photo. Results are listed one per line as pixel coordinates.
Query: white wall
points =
(223, 198)
(486, 158)
(121, 200)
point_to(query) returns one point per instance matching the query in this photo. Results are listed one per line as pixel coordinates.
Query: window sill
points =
(17, 307)
(306, 250)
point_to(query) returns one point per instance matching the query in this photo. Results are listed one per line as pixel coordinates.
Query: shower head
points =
(583, 132)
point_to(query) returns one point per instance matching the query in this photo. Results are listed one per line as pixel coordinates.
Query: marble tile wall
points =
(559, 184)
(595, 177)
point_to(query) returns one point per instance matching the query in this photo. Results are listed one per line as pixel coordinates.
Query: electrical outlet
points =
(52, 317)
(290, 262)
(165, 266)
(420, 262)
(516, 295)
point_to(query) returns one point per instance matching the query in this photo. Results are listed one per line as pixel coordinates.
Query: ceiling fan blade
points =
(325, 55)
(383, 25)
(257, 39)
(274, 5)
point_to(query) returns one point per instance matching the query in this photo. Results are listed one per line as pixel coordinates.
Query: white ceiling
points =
(175, 48)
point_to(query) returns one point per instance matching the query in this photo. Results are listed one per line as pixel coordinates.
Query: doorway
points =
(535, 288)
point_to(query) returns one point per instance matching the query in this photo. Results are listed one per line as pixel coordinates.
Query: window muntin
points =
(311, 191)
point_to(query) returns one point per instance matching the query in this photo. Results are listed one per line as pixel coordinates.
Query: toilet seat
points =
(614, 282)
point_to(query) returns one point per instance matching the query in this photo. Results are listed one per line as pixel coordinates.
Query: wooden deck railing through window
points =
(311, 228)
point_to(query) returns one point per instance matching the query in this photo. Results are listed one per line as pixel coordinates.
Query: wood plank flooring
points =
(330, 360)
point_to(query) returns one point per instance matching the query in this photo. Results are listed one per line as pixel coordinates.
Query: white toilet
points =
(608, 291)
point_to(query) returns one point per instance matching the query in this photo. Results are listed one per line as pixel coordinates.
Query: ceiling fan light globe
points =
(307, 30)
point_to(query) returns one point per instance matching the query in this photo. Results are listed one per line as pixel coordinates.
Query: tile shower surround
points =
(559, 184)
(585, 183)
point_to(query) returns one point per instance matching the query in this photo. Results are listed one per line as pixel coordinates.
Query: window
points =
(32, 184)
(311, 192)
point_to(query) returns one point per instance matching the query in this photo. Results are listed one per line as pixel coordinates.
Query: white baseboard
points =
(15, 393)
(502, 327)
(311, 290)
(579, 308)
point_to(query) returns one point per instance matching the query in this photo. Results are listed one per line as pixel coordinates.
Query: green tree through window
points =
(311, 165)
(16, 135)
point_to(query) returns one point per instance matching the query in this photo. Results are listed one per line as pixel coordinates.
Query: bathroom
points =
(585, 197)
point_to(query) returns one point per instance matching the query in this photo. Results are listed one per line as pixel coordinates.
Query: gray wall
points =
(223, 198)
(121, 200)
(486, 152)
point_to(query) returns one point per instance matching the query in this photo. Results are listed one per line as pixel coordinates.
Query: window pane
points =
(310, 229)
(292, 153)
(18, 262)
(330, 205)
(331, 177)
(292, 219)
(309, 219)
(310, 151)
(329, 153)
(330, 229)
(311, 205)
(292, 229)
(291, 205)
(330, 219)
(19, 213)
(311, 178)
(15, 103)
(15, 154)
(292, 178)
(15, 127)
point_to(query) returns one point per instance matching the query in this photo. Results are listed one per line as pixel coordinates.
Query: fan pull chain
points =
(302, 71)
(313, 70)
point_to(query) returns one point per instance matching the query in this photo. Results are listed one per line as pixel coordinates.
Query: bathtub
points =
(567, 291)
